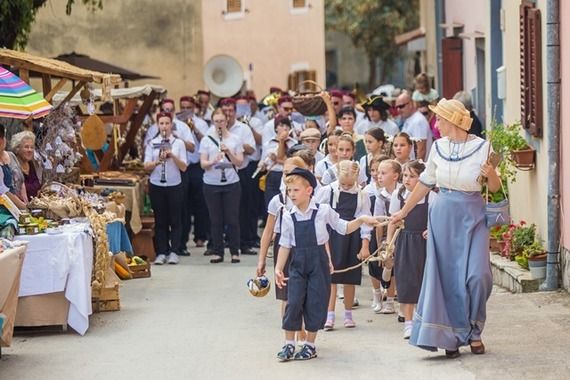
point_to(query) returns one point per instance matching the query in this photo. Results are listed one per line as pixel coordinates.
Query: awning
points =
(116, 93)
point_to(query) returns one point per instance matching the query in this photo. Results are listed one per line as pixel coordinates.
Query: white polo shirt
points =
(213, 175)
(152, 152)
(202, 127)
(418, 128)
(180, 129)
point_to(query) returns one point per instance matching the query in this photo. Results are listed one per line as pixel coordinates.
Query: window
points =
(531, 69)
(234, 6)
(296, 80)
(299, 3)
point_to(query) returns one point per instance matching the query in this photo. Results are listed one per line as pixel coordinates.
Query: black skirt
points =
(344, 251)
(409, 261)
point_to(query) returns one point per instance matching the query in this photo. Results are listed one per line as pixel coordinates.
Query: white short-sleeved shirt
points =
(152, 153)
(395, 201)
(449, 172)
(418, 128)
(202, 127)
(380, 203)
(257, 125)
(244, 136)
(213, 175)
(331, 175)
(272, 147)
(326, 216)
(322, 165)
(275, 208)
(431, 96)
(388, 126)
(362, 208)
(180, 129)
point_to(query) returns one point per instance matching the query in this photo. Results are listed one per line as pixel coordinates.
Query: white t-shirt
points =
(418, 128)
(213, 175)
(456, 174)
(202, 127)
(172, 172)
(244, 135)
(180, 129)
(257, 125)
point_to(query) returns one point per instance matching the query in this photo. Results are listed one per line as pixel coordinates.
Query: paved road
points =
(198, 321)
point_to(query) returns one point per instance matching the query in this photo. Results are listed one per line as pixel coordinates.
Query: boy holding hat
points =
(305, 229)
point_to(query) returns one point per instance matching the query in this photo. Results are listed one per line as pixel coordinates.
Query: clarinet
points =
(223, 179)
(163, 160)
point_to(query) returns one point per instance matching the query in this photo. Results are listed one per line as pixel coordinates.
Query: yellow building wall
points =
(271, 36)
(427, 21)
(159, 38)
(528, 196)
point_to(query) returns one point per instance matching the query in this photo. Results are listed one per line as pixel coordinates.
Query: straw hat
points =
(453, 111)
(93, 134)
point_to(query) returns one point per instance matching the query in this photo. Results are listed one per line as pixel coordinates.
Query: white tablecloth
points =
(62, 262)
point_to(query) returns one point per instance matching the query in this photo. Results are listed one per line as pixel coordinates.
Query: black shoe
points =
(401, 319)
(184, 253)
(209, 252)
(235, 259)
(217, 260)
(248, 251)
(452, 354)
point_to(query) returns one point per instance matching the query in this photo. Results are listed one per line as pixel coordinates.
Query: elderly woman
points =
(28, 172)
(457, 282)
(9, 166)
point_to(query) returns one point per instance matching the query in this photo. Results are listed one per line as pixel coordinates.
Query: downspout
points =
(553, 125)
(439, 19)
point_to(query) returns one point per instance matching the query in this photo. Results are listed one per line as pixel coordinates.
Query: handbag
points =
(497, 213)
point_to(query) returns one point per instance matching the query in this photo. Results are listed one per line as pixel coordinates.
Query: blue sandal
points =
(286, 353)
(306, 353)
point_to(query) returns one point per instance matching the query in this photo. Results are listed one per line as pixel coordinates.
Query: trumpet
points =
(223, 179)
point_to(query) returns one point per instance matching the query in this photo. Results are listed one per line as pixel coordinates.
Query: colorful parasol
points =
(18, 100)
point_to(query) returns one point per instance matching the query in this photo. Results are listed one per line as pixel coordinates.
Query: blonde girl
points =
(345, 151)
(346, 198)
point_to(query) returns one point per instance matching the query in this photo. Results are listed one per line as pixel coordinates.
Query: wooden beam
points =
(136, 124)
(46, 84)
(55, 89)
(24, 75)
(73, 91)
(43, 70)
(117, 119)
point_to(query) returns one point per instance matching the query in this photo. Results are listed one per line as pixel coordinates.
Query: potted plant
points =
(496, 242)
(511, 145)
(536, 257)
(523, 236)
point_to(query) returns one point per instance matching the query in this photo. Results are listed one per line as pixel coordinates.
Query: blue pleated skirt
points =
(457, 281)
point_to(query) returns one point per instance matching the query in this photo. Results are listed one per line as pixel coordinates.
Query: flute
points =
(220, 134)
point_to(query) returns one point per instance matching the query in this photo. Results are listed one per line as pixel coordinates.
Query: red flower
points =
(522, 223)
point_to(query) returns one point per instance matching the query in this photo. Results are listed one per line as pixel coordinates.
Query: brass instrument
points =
(223, 179)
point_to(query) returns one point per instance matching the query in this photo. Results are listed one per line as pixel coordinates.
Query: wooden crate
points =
(140, 271)
(107, 300)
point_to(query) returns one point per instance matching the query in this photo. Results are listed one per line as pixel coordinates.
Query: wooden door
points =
(452, 66)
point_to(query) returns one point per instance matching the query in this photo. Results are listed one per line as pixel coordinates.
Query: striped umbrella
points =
(18, 100)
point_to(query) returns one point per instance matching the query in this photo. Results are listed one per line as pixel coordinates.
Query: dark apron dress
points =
(410, 254)
(375, 268)
(309, 279)
(281, 293)
(345, 248)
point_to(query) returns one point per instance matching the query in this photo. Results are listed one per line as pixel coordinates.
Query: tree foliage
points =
(17, 17)
(372, 25)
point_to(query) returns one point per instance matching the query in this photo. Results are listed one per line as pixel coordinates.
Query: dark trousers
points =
(166, 205)
(272, 184)
(197, 208)
(248, 206)
(223, 209)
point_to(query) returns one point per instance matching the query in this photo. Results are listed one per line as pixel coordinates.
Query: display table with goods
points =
(11, 262)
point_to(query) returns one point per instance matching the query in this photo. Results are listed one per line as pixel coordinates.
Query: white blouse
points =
(172, 172)
(213, 175)
(456, 166)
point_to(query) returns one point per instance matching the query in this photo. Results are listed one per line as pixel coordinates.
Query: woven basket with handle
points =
(309, 103)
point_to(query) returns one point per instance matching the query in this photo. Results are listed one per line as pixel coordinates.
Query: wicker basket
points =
(309, 103)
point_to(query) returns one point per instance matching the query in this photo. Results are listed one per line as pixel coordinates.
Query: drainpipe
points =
(439, 19)
(553, 125)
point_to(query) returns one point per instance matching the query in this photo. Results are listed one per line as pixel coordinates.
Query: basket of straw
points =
(309, 103)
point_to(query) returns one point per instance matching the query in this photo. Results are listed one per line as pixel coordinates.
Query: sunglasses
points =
(288, 109)
(336, 103)
(400, 106)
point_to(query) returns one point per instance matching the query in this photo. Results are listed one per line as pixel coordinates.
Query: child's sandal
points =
(329, 325)
(306, 353)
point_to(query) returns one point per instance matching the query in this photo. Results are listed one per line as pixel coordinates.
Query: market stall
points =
(11, 262)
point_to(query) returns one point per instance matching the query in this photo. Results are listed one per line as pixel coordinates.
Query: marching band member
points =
(165, 159)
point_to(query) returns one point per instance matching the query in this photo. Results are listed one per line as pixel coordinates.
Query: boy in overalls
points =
(305, 228)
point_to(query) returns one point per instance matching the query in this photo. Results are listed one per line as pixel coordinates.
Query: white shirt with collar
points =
(395, 202)
(381, 196)
(272, 147)
(202, 127)
(362, 207)
(244, 135)
(322, 166)
(213, 175)
(180, 129)
(257, 125)
(173, 174)
(276, 207)
(326, 216)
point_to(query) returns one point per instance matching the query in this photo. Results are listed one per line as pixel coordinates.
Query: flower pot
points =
(494, 245)
(537, 266)
(524, 158)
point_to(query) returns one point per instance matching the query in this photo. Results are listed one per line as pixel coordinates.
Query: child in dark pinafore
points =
(410, 250)
(304, 227)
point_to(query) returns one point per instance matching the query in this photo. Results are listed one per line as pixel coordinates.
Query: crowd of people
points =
(318, 185)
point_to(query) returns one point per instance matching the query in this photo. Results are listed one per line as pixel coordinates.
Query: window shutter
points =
(234, 6)
(531, 69)
(299, 3)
